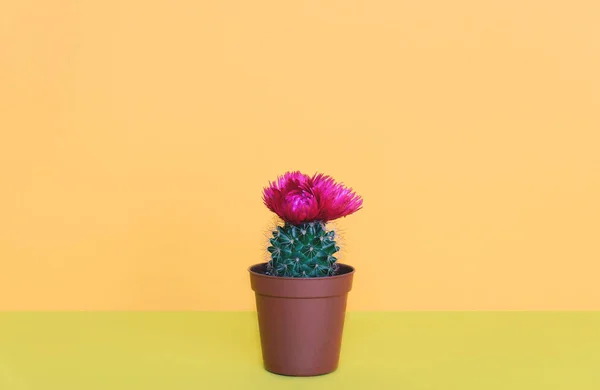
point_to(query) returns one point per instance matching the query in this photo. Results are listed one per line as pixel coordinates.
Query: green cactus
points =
(302, 251)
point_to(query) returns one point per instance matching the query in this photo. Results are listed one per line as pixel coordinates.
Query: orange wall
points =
(135, 138)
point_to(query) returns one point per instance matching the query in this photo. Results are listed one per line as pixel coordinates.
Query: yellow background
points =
(136, 136)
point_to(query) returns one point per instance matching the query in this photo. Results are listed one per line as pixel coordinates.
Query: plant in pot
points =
(301, 291)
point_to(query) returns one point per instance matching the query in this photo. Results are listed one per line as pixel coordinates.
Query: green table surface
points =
(221, 350)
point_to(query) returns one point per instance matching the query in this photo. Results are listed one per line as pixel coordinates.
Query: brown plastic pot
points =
(301, 320)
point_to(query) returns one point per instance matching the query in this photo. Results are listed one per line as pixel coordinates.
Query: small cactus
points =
(303, 247)
(303, 251)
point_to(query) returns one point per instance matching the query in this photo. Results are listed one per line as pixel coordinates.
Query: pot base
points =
(283, 372)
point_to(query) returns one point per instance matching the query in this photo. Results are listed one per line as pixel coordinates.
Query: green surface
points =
(221, 350)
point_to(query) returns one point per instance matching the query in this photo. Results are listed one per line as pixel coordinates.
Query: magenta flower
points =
(335, 200)
(297, 198)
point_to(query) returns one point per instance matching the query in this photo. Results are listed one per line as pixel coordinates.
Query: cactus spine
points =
(305, 250)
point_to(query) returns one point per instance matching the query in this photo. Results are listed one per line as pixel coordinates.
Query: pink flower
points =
(297, 198)
(335, 200)
(291, 198)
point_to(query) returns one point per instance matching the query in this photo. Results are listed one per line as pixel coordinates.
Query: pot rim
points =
(352, 270)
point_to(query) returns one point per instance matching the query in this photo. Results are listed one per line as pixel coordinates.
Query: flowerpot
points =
(301, 320)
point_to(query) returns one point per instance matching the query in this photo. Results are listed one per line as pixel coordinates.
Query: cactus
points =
(304, 250)
(303, 247)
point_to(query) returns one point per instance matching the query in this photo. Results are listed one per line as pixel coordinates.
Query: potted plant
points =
(301, 291)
